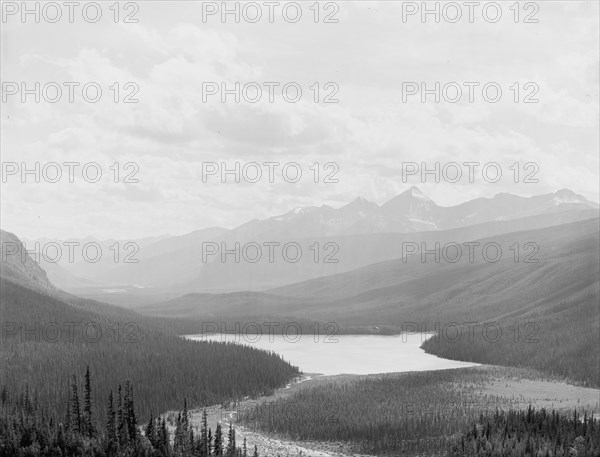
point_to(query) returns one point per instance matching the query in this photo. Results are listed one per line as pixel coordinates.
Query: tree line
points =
(561, 338)
(164, 367)
(531, 433)
(396, 414)
(29, 428)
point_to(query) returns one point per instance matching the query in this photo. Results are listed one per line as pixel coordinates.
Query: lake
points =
(346, 354)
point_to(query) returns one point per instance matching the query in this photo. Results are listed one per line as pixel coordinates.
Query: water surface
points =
(346, 354)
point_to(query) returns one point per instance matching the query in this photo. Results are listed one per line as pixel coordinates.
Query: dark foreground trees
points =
(44, 339)
(29, 428)
(530, 433)
(421, 414)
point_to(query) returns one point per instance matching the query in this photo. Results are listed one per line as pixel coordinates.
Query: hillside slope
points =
(550, 291)
(48, 335)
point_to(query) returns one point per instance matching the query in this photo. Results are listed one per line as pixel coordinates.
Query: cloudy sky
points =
(173, 51)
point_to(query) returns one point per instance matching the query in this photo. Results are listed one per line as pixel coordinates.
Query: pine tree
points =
(244, 450)
(68, 424)
(178, 438)
(61, 441)
(185, 412)
(151, 431)
(190, 440)
(231, 441)
(204, 445)
(89, 428)
(163, 437)
(122, 434)
(76, 408)
(255, 451)
(111, 425)
(111, 439)
(4, 395)
(131, 418)
(218, 447)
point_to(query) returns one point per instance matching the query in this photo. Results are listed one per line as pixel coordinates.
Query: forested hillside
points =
(562, 339)
(530, 433)
(29, 428)
(44, 340)
(422, 413)
(541, 294)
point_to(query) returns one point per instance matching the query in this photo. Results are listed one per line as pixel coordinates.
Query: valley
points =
(467, 392)
(367, 262)
(404, 352)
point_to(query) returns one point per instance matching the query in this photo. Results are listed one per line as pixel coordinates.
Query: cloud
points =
(368, 134)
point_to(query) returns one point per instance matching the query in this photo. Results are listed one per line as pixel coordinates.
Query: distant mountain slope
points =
(47, 335)
(177, 263)
(411, 211)
(62, 277)
(567, 253)
(19, 267)
(429, 289)
(557, 295)
(353, 251)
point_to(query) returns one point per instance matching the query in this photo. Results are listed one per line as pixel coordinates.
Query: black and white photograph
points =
(312, 228)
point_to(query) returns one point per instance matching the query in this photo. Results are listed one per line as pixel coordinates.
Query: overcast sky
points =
(368, 134)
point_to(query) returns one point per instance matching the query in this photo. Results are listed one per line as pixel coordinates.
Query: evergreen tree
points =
(111, 425)
(163, 437)
(255, 451)
(218, 446)
(231, 441)
(111, 440)
(89, 428)
(204, 444)
(68, 424)
(179, 436)
(4, 395)
(151, 431)
(122, 434)
(185, 412)
(131, 418)
(76, 407)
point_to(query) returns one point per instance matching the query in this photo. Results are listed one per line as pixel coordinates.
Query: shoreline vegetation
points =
(456, 412)
(323, 416)
(30, 429)
(473, 351)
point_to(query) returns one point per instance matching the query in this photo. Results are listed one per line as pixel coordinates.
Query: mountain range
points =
(546, 305)
(360, 233)
(411, 211)
(376, 287)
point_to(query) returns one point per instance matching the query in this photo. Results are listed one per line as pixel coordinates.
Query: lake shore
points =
(517, 387)
(352, 354)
